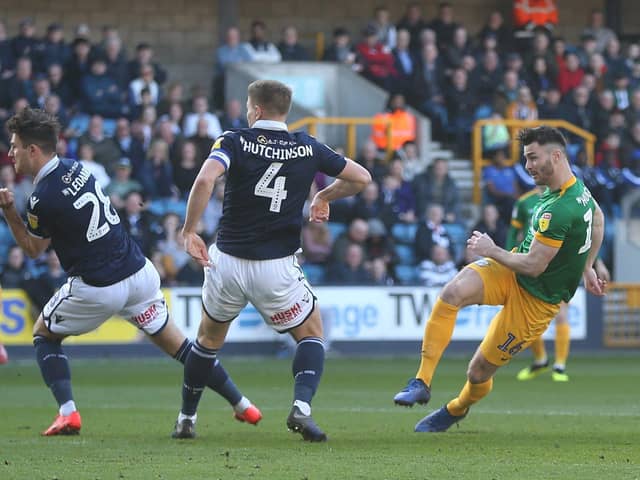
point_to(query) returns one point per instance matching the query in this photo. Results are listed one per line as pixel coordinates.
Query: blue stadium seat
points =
(406, 274)
(405, 255)
(314, 273)
(336, 229)
(459, 235)
(404, 232)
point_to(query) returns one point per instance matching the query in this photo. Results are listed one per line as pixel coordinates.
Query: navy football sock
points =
(218, 381)
(197, 368)
(54, 368)
(307, 368)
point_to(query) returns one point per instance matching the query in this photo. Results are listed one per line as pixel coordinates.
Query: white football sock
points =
(67, 408)
(182, 416)
(304, 407)
(242, 405)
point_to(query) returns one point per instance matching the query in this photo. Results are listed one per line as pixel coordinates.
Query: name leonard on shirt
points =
(264, 149)
(76, 183)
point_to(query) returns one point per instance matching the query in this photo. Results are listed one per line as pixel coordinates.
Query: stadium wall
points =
(185, 33)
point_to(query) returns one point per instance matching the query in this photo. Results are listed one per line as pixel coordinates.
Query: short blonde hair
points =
(271, 95)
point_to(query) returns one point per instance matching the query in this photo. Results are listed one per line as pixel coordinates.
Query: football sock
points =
(55, 369)
(539, 352)
(197, 369)
(470, 394)
(437, 335)
(307, 367)
(219, 380)
(563, 341)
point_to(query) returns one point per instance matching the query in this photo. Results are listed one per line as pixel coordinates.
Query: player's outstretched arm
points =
(531, 264)
(350, 181)
(198, 198)
(31, 245)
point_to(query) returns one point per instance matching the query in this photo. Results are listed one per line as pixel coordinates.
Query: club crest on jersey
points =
(33, 220)
(33, 201)
(262, 139)
(544, 221)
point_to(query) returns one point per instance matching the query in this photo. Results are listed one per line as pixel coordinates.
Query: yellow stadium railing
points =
(311, 123)
(513, 126)
(621, 315)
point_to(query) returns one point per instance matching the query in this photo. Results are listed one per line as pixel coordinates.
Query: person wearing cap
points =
(122, 184)
(102, 96)
(55, 49)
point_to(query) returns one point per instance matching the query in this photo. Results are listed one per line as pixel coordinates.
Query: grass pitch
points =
(588, 428)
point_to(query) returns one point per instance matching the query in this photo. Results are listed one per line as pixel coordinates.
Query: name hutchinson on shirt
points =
(273, 153)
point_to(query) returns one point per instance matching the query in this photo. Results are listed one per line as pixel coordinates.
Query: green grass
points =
(586, 429)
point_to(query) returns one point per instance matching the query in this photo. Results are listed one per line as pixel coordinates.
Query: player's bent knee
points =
(41, 330)
(311, 327)
(466, 288)
(480, 369)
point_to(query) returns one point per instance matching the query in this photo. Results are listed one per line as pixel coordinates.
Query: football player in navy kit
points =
(269, 172)
(108, 275)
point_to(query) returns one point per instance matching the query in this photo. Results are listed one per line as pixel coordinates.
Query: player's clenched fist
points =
(480, 243)
(6, 198)
(319, 210)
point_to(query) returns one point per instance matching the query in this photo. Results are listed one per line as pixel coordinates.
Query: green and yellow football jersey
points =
(562, 218)
(521, 215)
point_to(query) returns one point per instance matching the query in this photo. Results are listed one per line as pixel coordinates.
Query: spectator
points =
(370, 159)
(598, 30)
(501, 184)
(438, 269)
(413, 22)
(397, 196)
(106, 151)
(54, 49)
(387, 33)
(171, 246)
(136, 221)
(461, 104)
(21, 188)
(357, 233)
(213, 210)
(379, 245)
(316, 243)
(613, 56)
(431, 89)
(496, 28)
(156, 174)
(166, 132)
(20, 85)
(26, 43)
(621, 91)
(368, 204)
(341, 50)
(102, 96)
(59, 85)
(412, 163)
(551, 108)
(144, 56)
(174, 95)
(190, 274)
(15, 272)
(144, 81)
(231, 51)
(200, 107)
(128, 145)
(491, 224)
(377, 62)
(524, 108)
(7, 59)
(506, 92)
(571, 74)
(403, 124)
(495, 136)
(487, 77)
(443, 25)
(379, 273)
(202, 141)
(85, 157)
(232, 117)
(187, 168)
(431, 232)
(578, 112)
(122, 185)
(289, 47)
(117, 67)
(41, 288)
(541, 48)
(598, 67)
(258, 48)
(435, 186)
(540, 80)
(350, 269)
(457, 49)
(53, 106)
(406, 64)
(78, 67)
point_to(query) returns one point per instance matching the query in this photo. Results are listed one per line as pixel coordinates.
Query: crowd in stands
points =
(145, 137)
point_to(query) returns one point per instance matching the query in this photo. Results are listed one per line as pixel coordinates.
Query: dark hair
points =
(271, 95)
(544, 135)
(35, 127)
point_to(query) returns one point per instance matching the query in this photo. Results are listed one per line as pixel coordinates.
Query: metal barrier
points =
(513, 126)
(311, 123)
(621, 322)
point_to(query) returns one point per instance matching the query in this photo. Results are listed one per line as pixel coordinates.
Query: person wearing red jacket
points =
(376, 59)
(528, 14)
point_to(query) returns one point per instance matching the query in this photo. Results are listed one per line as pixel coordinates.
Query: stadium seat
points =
(404, 232)
(336, 229)
(405, 255)
(314, 273)
(406, 274)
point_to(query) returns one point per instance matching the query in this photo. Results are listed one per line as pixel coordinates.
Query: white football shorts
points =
(277, 288)
(78, 308)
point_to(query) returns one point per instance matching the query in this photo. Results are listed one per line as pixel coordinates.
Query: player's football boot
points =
(298, 422)
(250, 415)
(65, 425)
(4, 356)
(184, 429)
(438, 421)
(559, 375)
(532, 371)
(416, 391)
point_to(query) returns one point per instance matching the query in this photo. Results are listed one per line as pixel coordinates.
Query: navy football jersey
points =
(269, 173)
(68, 206)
